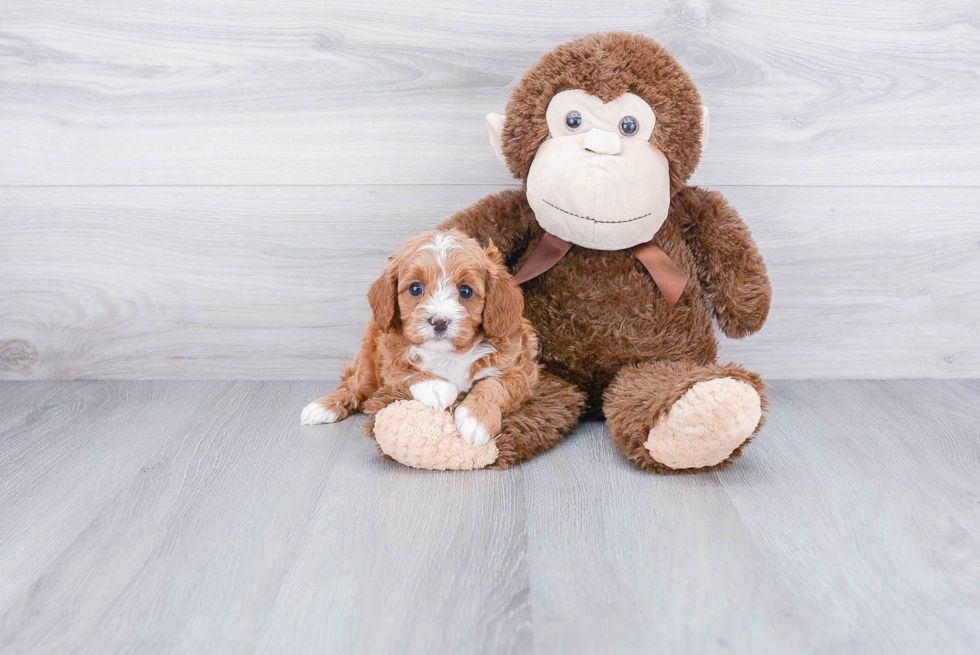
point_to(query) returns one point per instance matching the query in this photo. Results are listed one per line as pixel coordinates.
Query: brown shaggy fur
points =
(642, 393)
(600, 317)
(540, 423)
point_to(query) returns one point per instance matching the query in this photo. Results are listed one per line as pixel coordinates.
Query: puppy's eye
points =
(465, 292)
(629, 126)
(416, 289)
(573, 120)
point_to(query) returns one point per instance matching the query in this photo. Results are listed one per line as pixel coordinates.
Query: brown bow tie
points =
(669, 278)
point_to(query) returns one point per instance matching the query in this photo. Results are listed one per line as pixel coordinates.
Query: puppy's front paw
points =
(470, 428)
(437, 394)
(315, 414)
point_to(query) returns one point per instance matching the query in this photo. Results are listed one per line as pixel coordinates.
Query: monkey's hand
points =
(730, 268)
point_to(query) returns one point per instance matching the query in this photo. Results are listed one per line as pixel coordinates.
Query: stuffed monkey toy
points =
(622, 266)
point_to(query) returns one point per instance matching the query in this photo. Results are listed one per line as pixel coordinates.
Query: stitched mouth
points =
(594, 220)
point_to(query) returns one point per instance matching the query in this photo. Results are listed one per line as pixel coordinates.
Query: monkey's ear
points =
(495, 127)
(704, 128)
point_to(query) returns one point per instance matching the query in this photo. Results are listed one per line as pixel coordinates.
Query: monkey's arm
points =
(729, 265)
(503, 217)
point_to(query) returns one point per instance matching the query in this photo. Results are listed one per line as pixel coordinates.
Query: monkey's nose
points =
(602, 142)
(439, 323)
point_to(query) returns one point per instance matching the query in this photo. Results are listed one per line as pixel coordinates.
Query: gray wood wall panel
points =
(312, 92)
(321, 134)
(269, 282)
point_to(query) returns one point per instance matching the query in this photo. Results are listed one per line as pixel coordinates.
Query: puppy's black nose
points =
(439, 323)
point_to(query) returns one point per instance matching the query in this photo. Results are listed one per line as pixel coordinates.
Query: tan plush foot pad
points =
(706, 424)
(416, 435)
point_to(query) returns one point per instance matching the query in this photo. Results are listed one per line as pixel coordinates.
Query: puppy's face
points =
(443, 291)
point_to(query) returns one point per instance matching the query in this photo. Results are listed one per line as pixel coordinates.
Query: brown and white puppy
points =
(447, 320)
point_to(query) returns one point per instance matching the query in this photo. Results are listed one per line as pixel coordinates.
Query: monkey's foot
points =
(419, 436)
(706, 424)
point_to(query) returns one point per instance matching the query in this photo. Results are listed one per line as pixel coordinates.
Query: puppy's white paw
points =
(437, 394)
(315, 414)
(472, 431)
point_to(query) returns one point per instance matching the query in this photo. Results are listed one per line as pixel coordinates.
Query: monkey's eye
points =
(416, 289)
(629, 126)
(465, 292)
(573, 120)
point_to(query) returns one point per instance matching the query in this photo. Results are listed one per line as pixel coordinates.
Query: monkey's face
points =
(597, 181)
(603, 131)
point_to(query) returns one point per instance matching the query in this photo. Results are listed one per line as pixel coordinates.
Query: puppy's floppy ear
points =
(504, 303)
(383, 297)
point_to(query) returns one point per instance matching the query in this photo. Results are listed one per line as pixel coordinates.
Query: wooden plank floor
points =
(200, 517)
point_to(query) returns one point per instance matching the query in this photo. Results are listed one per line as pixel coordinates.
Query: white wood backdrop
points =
(204, 190)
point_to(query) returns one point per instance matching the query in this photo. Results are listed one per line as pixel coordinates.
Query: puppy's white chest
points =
(452, 366)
